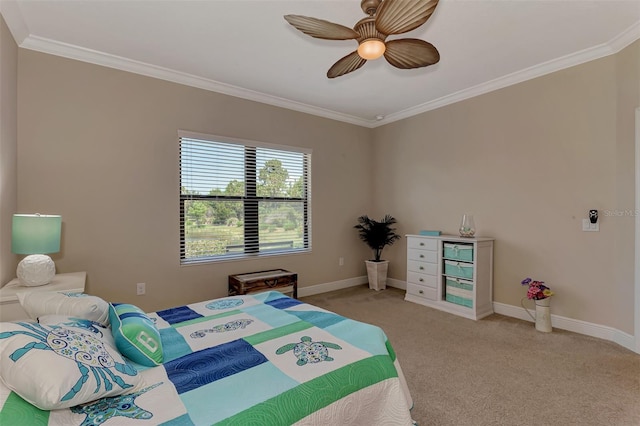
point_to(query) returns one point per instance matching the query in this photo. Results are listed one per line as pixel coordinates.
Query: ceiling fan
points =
(385, 18)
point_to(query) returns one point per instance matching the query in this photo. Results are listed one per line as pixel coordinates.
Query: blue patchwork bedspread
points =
(262, 359)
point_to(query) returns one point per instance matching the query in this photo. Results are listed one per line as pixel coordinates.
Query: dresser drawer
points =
(422, 243)
(422, 279)
(423, 255)
(421, 291)
(422, 267)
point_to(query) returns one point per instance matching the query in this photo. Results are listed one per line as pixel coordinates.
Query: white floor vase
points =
(377, 274)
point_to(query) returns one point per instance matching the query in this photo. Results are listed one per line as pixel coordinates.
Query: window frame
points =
(250, 199)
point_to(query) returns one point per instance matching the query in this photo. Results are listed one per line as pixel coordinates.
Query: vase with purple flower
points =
(541, 295)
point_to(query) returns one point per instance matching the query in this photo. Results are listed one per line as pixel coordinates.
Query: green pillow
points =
(135, 334)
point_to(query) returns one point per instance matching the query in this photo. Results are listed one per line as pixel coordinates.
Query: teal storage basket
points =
(459, 300)
(459, 292)
(458, 251)
(460, 284)
(458, 269)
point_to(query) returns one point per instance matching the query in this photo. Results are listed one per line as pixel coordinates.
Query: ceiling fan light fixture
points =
(371, 49)
(384, 18)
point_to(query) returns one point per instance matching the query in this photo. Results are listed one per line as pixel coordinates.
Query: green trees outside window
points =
(238, 200)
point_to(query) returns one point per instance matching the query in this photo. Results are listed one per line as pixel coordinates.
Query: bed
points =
(260, 359)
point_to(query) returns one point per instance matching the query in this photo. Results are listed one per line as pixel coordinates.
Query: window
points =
(240, 199)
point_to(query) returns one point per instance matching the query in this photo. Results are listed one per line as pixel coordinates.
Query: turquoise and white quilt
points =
(262, 359)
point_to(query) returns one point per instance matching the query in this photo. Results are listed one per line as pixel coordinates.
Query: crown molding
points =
(605, 49)
(44, 45)
(82, 54)
(12, 15)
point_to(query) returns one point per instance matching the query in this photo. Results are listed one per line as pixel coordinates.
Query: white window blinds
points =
(241, 199)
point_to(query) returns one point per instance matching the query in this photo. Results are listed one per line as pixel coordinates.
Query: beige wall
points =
(628, 99)
(8, 148)
(99, 147)
(529, 161)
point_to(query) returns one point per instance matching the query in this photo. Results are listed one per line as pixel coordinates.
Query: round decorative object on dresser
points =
(467, 226)
(35, 270)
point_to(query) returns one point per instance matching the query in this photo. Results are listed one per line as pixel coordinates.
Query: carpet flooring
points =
(498, 370)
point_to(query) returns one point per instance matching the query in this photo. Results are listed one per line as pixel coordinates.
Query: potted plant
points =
(377, 235)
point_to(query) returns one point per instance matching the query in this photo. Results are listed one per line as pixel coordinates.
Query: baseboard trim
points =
(332, 286)
(392, 282)
(577, 326)
(339, 285)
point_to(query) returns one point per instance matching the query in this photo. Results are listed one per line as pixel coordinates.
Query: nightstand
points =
(10, 308)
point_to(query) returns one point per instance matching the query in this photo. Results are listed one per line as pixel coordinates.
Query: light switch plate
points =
(587, 226)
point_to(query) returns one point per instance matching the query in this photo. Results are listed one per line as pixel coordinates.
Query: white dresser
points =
(10, 308)
(451, 273)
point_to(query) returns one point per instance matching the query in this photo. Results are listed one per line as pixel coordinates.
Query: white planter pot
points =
(377, 274)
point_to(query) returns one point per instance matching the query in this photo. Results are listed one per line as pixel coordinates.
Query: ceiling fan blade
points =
(409, 53)
(400, 16)
(349, 63)
(320, 28)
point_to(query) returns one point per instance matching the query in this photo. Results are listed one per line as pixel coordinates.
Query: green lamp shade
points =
(36, 234)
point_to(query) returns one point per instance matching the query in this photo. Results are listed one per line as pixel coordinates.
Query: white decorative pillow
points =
(80, 305)
(60, 366)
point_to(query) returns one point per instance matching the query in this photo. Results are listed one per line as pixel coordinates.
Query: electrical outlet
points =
(341, 261)
(140, 289)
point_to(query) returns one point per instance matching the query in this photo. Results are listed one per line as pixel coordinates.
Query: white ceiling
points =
(245, 48)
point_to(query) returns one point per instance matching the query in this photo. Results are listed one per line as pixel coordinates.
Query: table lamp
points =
(36, 235)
